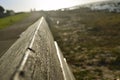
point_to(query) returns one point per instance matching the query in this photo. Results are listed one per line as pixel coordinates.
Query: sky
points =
(27, 5)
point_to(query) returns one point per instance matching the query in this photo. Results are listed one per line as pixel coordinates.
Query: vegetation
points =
(1, 11)
(7, 21)
(90, 40)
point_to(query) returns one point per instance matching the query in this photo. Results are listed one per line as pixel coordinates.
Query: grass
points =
(90, 41)
(10, 20)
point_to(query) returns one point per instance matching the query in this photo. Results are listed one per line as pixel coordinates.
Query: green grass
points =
(10, 20)
(90, 41)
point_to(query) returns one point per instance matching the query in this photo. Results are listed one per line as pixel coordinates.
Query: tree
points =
(1, 11)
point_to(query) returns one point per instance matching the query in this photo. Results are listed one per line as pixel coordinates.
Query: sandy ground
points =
(10, 34)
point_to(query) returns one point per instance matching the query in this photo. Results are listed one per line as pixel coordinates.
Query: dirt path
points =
(10, 34)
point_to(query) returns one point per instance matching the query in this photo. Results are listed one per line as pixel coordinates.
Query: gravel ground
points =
(10, 34)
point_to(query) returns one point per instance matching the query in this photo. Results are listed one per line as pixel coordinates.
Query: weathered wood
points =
(67, 74)
(33, 57)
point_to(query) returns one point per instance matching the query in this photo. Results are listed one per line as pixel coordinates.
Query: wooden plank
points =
(34, 57)
(10, 61)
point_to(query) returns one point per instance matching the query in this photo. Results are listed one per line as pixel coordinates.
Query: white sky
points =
(26, 5)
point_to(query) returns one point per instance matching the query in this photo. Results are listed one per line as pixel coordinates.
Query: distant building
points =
(99, 7)
(10, 12)
(106, 7)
